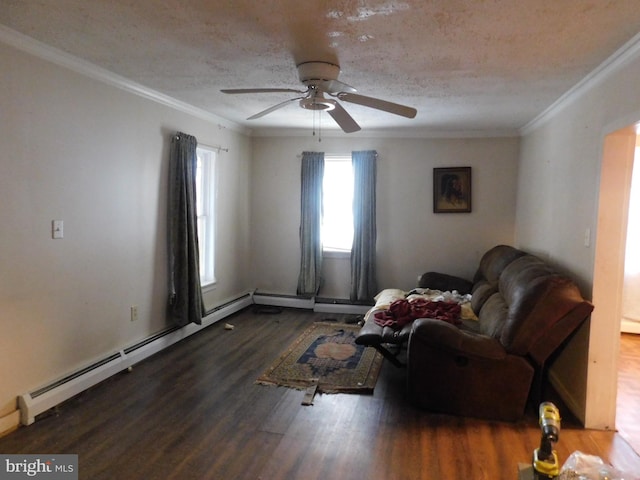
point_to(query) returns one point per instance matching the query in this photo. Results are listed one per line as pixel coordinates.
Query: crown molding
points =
(625, 54)
(628, 52)
(388, 133)
(41, 50)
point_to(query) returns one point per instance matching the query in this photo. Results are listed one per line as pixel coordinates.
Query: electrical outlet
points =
(134, 313)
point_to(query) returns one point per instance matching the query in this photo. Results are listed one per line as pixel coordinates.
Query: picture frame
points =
(452, 190)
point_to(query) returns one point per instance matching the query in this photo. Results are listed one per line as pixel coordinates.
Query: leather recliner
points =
(526, 311)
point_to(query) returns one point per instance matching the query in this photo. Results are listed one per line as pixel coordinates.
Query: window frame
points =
(333, 252)
(206, 213)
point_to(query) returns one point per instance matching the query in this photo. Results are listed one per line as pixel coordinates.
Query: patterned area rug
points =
(326, 354)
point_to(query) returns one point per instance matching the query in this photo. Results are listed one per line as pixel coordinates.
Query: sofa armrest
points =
(444, 282)
(442, 335)
(454, 371)
(371, 334)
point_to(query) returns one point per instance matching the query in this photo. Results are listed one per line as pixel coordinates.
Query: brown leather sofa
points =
(489, 368)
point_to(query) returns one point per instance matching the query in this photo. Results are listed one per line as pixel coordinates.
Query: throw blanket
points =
(404, 311)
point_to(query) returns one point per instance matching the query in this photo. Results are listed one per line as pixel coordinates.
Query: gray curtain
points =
(363, 251)
(185, 294)
(312, 172)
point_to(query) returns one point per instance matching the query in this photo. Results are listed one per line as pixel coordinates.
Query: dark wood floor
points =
(193, 411)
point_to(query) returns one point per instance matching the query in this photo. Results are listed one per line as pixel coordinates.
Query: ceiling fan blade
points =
(274, 108)
(333, 87)
(343, 119)
(378, 104)
(261, 90)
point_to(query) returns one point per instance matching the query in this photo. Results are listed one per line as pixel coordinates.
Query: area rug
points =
(326, 355)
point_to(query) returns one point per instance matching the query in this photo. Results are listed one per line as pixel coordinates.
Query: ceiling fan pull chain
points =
(314, 123)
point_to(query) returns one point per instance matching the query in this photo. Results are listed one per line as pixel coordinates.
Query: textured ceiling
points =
(464, 64)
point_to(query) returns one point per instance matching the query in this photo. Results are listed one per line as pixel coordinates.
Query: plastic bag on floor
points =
(580, 466)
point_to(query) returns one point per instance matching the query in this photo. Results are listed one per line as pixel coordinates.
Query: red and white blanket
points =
(395, 308)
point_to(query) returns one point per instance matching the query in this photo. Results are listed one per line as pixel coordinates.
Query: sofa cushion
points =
(493, 316)
(480, 294)
(445, 336)
(485, 281)
(494, 262)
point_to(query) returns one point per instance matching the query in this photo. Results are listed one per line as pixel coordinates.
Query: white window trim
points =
(208, 193)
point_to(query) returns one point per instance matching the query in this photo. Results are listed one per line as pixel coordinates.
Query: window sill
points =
(336, 254)
(209, 287)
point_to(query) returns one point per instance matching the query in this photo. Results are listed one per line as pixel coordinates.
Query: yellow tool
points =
(545, 458)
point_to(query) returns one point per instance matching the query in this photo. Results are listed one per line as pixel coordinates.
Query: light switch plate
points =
(57, 229)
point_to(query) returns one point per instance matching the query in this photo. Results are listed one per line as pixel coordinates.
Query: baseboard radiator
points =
(42, 399)
(324, 305)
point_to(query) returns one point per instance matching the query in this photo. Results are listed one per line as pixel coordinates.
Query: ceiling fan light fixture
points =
(318, 103)
(314, 73)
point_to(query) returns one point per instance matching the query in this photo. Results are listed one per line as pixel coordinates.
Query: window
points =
(337, 217)
(205, 198)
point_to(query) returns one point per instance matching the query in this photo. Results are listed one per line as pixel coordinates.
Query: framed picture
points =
(452, 190)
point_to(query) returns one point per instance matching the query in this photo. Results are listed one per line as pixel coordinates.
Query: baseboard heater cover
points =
(290, 301)
(310, 303)
(42, 399)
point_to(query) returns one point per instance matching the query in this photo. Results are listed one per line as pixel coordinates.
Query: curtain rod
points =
(217, 147)
(299, 155)
(213, 147)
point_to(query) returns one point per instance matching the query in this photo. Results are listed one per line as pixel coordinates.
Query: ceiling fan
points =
(321, 78)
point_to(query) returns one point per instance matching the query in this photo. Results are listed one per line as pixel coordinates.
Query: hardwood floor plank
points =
(628, 401)
(195, 411)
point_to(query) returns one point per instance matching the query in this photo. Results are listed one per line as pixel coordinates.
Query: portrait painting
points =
(452, 190)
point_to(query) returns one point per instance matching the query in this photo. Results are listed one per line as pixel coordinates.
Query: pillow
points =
(466, 312)
(388, 296)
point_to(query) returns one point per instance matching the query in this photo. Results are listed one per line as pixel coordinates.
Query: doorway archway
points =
(608, 277)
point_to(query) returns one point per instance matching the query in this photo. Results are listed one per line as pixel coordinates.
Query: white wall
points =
(411, 238)
(558, 191)
(94, 156)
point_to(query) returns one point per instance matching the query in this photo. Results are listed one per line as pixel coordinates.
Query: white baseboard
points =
(290, 301)
(629, 326)
(274, 300)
